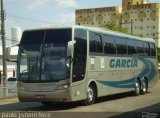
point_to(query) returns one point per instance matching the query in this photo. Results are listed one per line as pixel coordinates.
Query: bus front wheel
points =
(91, 95)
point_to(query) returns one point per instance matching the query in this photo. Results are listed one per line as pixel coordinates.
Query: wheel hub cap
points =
(90, 94)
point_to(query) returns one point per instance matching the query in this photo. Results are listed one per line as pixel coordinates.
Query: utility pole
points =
(3, 48)
(131, 27)
(131, 22)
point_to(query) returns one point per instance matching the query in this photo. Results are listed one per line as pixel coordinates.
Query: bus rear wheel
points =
(91, 95)
(144, 87)
(137, 88)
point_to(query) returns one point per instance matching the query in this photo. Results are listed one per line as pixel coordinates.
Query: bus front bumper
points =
(55, 96)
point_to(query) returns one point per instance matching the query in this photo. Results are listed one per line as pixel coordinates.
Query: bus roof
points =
(99, 30)
(115, 33)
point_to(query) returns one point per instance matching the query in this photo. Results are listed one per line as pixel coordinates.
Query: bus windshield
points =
(43, 54)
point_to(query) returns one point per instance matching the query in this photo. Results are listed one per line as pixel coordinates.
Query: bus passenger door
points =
(79, 56)
(79, 63)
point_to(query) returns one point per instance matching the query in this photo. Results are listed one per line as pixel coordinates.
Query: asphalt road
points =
(121, 105)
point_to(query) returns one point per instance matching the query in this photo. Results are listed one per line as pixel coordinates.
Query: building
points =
(16, 33)
(11, 66)
(137, 16)
(97, 16)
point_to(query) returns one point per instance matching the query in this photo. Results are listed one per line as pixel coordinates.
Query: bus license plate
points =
(40, 96)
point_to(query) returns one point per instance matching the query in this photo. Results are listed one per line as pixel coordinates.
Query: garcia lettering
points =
(123, 63)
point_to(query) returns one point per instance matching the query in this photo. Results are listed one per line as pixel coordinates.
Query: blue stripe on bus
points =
(148, 70)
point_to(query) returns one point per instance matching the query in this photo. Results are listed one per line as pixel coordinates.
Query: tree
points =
(115, 27)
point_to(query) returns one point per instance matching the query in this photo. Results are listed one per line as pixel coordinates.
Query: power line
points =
(52, 3)
(9, 39)
(64, 4)
(59, 4)
(31, 19)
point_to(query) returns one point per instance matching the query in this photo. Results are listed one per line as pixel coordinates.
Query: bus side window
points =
(131, 47)
(147, 49)
(98, 40)
(109, 45)
(121, 45)
(80, 55)
(152, 49)
(140, 47)
(92, 42)
(95, 42)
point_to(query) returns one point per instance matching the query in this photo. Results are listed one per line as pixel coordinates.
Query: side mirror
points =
(70, 48)
(11, 53)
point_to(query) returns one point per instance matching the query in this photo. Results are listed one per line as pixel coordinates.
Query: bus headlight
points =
(63, 86)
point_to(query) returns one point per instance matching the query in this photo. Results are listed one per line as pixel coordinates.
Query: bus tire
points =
(144, 87)
(137, 88)
(91, 95)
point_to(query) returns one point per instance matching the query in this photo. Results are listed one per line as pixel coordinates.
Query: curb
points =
(157, 84)
(8, 97)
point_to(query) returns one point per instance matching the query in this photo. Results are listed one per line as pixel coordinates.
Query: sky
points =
(41, 13)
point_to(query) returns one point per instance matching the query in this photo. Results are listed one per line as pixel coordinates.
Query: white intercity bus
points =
(64, 64)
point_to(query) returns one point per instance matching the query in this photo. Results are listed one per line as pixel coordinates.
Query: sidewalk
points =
(8, 100)
(12, 91)
(157, 84)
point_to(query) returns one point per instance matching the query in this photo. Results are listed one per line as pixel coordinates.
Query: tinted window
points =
(147, 49)
(54, 55)
(140, 47)
(30, 55)
(98, 40)
(58, 36)
(32, 39)
(80, 53)
(109, 44)
(121, 45)
(95, 42)
(131, 47)
(152, 49)
(92, 42)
